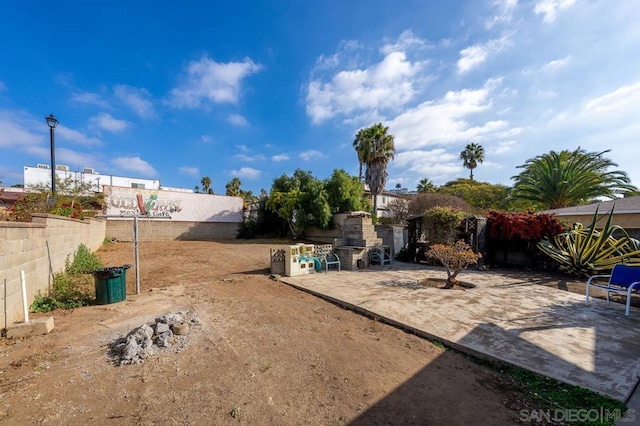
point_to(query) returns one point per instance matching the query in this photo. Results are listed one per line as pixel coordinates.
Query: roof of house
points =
(622, 205)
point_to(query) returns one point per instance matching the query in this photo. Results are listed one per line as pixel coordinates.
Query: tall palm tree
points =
(569, 178)
(362, 145)
(472, 155)
(375, 148)
(425, 185)
(233, 187)
(206, 185)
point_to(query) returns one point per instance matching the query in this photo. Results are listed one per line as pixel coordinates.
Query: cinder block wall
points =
(161, 230)
(38, 248)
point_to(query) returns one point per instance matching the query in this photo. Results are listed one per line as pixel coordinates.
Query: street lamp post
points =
(52, 122)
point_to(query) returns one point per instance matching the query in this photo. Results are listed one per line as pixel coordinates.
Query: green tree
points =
(568, 178)
(375, 148)
(206, 185)
(301, 200)
(422, 202)
(425, 185)
(196, 189)
(481, 195)
(472, 154)
(344, 192)
(233, 187)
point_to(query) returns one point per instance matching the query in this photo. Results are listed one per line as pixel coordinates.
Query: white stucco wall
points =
(178, 206)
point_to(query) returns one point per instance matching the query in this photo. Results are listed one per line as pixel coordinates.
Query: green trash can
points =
(111, 284)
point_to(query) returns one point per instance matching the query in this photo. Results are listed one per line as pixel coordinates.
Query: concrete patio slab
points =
(542, 329)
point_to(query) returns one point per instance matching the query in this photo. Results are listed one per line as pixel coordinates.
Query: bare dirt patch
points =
(266, 354)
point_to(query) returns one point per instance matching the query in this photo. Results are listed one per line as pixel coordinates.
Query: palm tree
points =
(362, 146)
(425, 185)
(196, 189)
(206, 185)
(375, 148)
(472, 155)
(569, 178)
(233, 187)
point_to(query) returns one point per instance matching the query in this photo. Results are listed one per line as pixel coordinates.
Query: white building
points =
(41, 175)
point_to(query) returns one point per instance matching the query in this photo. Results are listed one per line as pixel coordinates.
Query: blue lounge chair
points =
(623, 279)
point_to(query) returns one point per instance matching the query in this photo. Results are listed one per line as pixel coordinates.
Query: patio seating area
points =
(513, 320)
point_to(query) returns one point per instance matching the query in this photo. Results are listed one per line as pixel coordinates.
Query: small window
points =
(137, 185)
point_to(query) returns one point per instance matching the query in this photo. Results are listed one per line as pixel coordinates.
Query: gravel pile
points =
(169, 332)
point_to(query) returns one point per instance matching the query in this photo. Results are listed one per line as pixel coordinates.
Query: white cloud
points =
(551, 8)
(446, 120)
(406, 41)
(472, 56)
(247, 173)
(17, 130)
(138, 99)
(238, 120)
(311, 154)
(135, 165)
(208, 80)
(280, 157)
(206, 139)
(505, 10)
(70, 135)
(436, 164)
(75, 159)
(243, 148)
(189, 171)
(90, 98)
(621, 101)
(249, 158)
(389, 84)
(108, 123)
(557, 64)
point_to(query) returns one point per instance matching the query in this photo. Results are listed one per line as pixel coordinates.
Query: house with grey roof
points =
(626, 213)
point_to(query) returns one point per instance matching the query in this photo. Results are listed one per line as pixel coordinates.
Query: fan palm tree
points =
(233, 187)
(472, 155)
(425, 185)
(569, 178)
(375, 148)
(362, 145)
(206, 185)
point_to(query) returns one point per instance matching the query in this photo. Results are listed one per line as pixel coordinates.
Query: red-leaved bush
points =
(523, 226)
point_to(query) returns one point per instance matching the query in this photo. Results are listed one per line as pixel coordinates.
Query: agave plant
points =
(588, 251)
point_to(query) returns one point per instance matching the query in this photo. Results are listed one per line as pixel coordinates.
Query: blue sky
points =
(180, 90)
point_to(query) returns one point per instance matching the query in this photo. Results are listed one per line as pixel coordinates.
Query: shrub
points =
(454, 258)
(524, 226)
(440, 224)
(84, 262)
(72, 287)
(587, 251)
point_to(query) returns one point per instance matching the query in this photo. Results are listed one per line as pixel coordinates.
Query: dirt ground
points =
(264, 354)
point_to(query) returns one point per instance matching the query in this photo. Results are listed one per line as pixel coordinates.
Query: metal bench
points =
(379, 256)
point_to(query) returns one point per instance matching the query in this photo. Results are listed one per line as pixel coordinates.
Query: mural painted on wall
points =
(129, 202)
